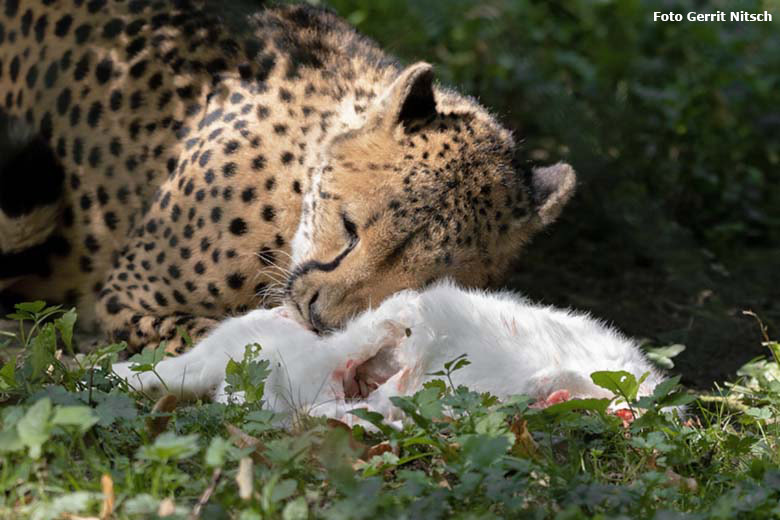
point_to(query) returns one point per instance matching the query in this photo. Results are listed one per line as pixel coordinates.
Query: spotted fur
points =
(169, 163)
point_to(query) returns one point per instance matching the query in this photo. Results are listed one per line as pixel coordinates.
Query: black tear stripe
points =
(315, 265)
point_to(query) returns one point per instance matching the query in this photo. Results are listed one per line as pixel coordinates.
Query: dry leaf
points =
(107, 485)
(354, 445)
(524, 445)
(156, 425)
(244, 478)
(167, 507)
(204, 498)
(335, 423)
(243, 440)
(686, 484)
(382, 447)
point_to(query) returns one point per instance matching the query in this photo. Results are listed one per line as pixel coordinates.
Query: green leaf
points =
(10, 441)
(517, 403)
(418, 441)
(621, 383)
(460, 364)
(170, 446)
(429, 403)
(676, 399)
(31, 307)
(77, 502)
(440, 385)
(596, 405)
(248, 375)
(494, 423)
(250, 514)
(375, 418)
(653, 441)
(774, 347)
(81, 416)
(664, 388)
(8, 375)
(35, 427)
(455, 364)
(216, 453)
(296, 509)
(760, 414)
(115, 406)
(142, 504)
(64, 325)
(662, 356)
(284, 489)
(259, 421)
(42, 351)
(482, 450)
(147, 359)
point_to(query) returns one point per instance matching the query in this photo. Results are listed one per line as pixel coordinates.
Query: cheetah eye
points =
(351, 230)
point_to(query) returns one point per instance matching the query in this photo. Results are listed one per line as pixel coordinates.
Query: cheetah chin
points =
(514, 346)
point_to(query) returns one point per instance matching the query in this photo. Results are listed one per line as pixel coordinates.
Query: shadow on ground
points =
(678, 294)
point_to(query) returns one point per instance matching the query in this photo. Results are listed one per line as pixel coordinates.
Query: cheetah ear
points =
(410, 97)
(551, 188)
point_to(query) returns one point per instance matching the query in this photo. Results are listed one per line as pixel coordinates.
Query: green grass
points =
(74, 440)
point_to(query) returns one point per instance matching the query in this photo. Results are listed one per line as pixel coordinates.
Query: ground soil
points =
(685, 294)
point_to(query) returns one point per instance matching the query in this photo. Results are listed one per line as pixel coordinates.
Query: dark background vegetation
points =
(674, 130)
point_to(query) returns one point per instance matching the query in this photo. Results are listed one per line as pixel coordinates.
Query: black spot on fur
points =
(238, 226)
(40, 28)
(235, 280)
(93, 116)
(11, 8)
(138, 69)
(113, 27)
(82, 33)
(113, 306)
(229, 169)
(248, 195)
(52, 72)
(161, 300)
(62, 26)
(82, 67)
(32, 76)
(103, 70)
(94, 6)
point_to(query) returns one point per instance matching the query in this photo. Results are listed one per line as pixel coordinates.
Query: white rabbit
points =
(514, 346)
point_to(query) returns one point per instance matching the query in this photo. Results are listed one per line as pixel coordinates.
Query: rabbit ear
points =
(551, 188)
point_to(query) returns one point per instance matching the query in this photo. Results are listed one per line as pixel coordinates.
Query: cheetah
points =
(166, 164)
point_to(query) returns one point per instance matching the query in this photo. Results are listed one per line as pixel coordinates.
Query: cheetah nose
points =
(314, 317)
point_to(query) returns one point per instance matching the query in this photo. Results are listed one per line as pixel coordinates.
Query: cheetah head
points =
(428, 187)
